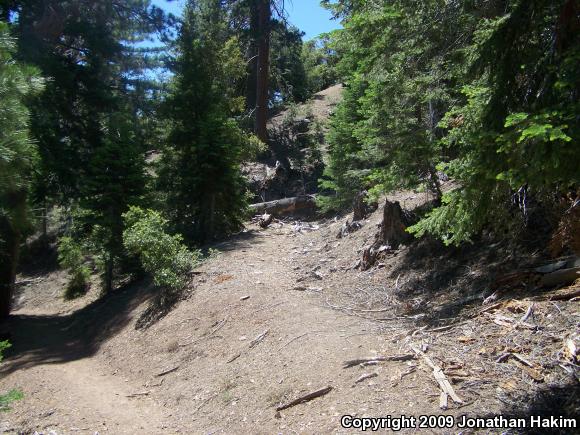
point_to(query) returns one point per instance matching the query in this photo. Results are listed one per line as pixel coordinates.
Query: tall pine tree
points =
(18, 160)
(200, 172)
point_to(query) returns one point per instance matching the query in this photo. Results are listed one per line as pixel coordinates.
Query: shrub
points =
(163, 255)
(71, 258)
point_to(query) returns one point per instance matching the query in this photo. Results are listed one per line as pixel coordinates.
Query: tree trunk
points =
(253, 59)
(264, 14)
(109, 264)
(286, 206)
(9, 251)
(361, 209)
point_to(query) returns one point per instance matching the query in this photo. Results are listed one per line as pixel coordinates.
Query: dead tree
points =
(361, 208)
(392, 234)
(286, 206)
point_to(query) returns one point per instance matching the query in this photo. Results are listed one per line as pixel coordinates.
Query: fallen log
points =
(560, 277)
(286, 206)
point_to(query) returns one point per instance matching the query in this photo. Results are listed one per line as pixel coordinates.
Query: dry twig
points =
(440, 377)
(305, 398)
(376, 359)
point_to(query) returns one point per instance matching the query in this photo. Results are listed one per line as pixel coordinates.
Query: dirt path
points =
(257, 330)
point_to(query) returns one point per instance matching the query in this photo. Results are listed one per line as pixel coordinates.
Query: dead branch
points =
(259, 338)
(440, 377)
(305, 398)
(528, 313)
(376, 359)
(235, 357)
(166, 372)
(566, 296)
(142, 393)
(365, 376)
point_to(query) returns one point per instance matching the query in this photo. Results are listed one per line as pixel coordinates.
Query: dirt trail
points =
(262, 284)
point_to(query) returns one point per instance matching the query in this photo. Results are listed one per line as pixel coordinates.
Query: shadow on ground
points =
(243, 240)
(453, 280)
(562, 400)
(46, 339)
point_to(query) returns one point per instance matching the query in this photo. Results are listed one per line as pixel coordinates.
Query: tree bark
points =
(285, 206)
(392, 234)
(264, 14)
(9, 252)
(253, 58)
(109, 265)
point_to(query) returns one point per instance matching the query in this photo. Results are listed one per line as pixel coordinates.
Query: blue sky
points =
(307, 15)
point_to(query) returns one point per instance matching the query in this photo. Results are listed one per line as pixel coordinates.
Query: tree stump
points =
(361, 209)
(390, 237)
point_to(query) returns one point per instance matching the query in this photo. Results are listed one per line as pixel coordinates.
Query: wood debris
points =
(570, 351)
(305, 398)
(167, 371)
(365, 376)
(376, 359)
(411, 369)
(265, 220)
(441, 379)
(566, 295)
(219, 325)
(235, 357)
(531, 369)
(138, 394)
(259, 338)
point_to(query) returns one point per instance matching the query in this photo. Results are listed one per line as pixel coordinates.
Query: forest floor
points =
(273, 317)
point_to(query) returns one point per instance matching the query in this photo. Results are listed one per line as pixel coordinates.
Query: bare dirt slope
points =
(235, 358)
(273, 317)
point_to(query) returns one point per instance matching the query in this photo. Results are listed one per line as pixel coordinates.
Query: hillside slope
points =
(274, 317)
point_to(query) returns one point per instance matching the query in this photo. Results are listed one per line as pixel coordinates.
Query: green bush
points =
(163, 255)
(71, 258)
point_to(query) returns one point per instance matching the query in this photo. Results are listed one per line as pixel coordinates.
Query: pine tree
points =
(488, 102)
(89, 122)
(18, 160)
(200, 173)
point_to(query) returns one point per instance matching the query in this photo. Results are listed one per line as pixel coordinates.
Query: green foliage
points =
(8, 398)
(162, 255)
(3, 346)
(18, 159)
(319, 58)
(113, 182)
(13, 395)
(71, 258)
(490, 102)
(344, 175)
(288, 81)
(18, 153)
(93, 121)
(200, 171)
